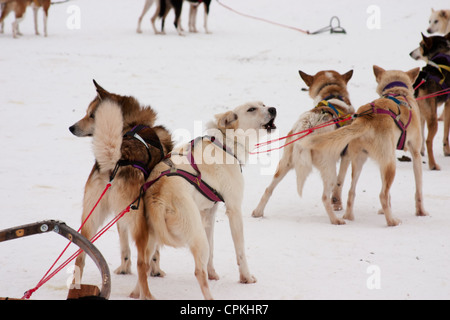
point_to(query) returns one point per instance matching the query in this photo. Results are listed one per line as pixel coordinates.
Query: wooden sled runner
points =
(86, 291)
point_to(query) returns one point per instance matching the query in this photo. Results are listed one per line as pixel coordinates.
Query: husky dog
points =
(328, 89)
(19, 7)
(163, 8)
(439, 21)
(182, 192)
(131, 114)
(435, 51)
(378, 129)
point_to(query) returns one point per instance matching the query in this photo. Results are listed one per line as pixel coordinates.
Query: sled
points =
(85, 291)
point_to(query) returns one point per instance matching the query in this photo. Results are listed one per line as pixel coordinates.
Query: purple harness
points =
(394, 116)
(196, 180)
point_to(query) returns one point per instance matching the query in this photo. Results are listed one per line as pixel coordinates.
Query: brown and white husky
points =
(328, 89)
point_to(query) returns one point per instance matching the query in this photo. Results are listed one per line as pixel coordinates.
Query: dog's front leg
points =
(237, 233)
(209, 222)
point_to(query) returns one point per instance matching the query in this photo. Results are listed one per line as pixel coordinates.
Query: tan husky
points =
(183, 191)
(328, 89)
(378, 129)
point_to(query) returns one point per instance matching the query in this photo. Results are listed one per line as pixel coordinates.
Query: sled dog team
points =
(174, 191)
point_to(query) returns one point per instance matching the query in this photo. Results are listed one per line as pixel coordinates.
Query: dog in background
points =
(19, 7)
(378, 129)
(181, 212)
(163, 8)
(435, 51)
(439, 22)
(132, 113)
(328, 89)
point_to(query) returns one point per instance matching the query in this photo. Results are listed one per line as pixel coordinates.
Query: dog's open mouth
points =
(269, 126)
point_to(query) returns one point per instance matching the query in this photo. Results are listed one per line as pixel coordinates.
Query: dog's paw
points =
(123, 270)
(157, 273)
(338, 221)
(434, 166)
(348, 216)
(247, 279)
(393, 222)
(212, 275)
(422, 213)
(257, 213)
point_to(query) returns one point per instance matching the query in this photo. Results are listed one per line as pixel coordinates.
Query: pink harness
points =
(396, 118)
(196, 180)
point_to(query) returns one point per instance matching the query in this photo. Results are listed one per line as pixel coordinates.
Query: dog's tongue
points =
(270, 125)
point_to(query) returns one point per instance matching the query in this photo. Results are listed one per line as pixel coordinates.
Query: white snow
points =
(294, 251)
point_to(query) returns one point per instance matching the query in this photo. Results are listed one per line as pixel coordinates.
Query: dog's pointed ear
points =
(306, 77)
(443, 14)
(347, 76)
(102, 93)
(226, 120)
(427, 41)
(378, 71)
(413, 74)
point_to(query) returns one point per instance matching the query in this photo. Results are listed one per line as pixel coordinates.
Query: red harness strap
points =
(396, 118)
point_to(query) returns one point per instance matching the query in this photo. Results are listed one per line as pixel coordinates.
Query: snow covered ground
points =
(294, 251)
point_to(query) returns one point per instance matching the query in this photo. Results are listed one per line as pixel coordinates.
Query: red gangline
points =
(44, 279)
(304, 134)
(262, 19)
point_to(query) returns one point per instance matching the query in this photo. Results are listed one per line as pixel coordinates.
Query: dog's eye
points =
(251, 109)
(435, 21)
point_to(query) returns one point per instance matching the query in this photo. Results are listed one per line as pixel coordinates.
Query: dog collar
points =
(394, 84)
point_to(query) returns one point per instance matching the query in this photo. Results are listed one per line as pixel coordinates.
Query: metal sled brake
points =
(86, 291)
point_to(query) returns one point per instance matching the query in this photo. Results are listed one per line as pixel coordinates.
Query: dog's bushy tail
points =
(334, 142)
(107, 138)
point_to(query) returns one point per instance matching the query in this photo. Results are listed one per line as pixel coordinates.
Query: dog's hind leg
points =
(417, 167)
(177, 21)
(284, 166)
(446, 114)
(387, 171)
(155, 269)
(147, 5)
(357, 159)
(328, 173)
(35, 14)
(155, 16)
(200, 250)
(337, 190)
(430, 114)
(193, 17)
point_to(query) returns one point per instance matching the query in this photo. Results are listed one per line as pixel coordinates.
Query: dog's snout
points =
(72, 129)
(273, 111)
